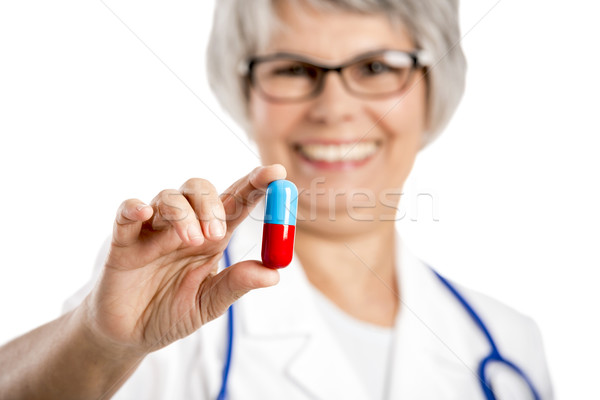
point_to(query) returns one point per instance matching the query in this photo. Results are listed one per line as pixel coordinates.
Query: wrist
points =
(99, 344)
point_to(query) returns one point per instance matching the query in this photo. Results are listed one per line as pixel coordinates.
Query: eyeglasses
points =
(285, 77)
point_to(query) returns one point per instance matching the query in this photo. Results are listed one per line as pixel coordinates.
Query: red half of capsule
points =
(277, 245)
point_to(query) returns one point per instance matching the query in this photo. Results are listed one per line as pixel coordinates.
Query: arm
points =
(61, 360)
(159, 284)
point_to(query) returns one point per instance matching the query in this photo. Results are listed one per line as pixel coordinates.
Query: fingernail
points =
(141, 207)
(194, 232)
(215, 228)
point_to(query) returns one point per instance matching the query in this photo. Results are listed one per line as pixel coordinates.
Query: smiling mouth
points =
(339, 152)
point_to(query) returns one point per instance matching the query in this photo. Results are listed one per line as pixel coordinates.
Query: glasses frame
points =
(420, 59)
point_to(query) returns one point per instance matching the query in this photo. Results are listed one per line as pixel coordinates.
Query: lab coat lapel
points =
(317, 365)
(435, 357)
(322, 369)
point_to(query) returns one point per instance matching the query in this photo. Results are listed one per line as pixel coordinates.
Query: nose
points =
(334, 104)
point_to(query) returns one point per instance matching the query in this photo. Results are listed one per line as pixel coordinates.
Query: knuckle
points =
(202, 195)
(255, 171)
(172, 205)
(211, 208)
(122, 208)
(125, 206)
(195, 184)
(167, 193)
(172, 212)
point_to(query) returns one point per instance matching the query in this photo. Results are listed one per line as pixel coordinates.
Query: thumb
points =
(224, 288)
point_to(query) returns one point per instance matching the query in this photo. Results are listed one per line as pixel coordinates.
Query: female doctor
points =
(339, 96)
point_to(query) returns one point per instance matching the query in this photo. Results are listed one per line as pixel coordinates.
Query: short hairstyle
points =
(242, 28)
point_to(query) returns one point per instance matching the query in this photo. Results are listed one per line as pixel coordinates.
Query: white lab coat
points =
(283, 349)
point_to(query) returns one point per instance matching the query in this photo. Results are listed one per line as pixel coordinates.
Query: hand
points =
(159, 283)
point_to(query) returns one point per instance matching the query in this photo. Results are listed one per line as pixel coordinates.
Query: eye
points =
(374, 67)
(295, 70)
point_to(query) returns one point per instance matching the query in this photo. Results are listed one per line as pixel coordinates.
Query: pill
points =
(279, 226)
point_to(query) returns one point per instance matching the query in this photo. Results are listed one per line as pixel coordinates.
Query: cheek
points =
(403, 122)
(403, 117)
(271, 121)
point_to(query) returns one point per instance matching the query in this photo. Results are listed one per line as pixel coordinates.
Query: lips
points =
(338, 152)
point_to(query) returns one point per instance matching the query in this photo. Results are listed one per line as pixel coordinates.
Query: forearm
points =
(59, 360)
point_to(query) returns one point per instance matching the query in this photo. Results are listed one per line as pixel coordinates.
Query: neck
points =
(356, 271)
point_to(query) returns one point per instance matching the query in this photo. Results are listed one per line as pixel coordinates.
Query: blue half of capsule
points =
(281, 203)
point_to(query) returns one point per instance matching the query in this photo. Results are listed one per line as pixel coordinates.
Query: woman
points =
(339, 96)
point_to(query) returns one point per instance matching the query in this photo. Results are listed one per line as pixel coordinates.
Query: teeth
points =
(339, 152)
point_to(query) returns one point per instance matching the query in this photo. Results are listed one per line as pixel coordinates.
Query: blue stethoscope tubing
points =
(493, 356)
(227, 367)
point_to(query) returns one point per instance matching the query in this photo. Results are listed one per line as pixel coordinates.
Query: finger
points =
(128, 223)
(243, 195)
(172, 210)
(220, 291)
(207, 205)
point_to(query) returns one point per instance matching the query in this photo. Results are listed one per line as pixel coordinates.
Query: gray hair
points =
(242, 28)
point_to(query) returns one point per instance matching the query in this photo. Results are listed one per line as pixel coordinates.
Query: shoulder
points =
(496, 315)
(516, 335)
(455, 334)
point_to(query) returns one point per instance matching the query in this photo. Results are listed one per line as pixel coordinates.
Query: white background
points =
(89, 116)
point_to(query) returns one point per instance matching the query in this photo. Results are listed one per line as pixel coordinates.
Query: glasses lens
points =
(286, 78)
(380, 74)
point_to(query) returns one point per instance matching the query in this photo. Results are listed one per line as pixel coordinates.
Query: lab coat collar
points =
(431, 352)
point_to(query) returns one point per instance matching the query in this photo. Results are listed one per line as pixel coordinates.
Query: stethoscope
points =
(493, 357)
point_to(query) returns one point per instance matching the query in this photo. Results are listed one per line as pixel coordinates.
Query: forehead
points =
(333, 35)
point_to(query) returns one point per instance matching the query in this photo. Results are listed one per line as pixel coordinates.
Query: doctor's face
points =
(342, 150)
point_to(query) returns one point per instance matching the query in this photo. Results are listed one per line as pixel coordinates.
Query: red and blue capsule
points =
(279, 227)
